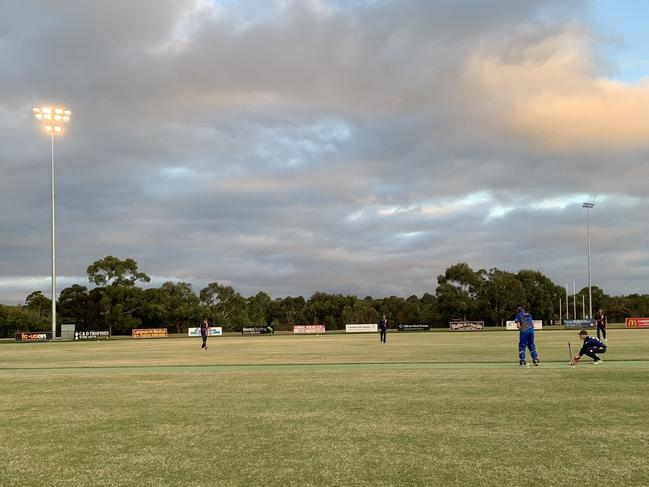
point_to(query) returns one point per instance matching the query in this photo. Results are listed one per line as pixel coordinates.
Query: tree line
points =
(116, 300)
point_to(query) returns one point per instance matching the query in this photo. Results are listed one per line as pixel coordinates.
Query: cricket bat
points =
(570, 360)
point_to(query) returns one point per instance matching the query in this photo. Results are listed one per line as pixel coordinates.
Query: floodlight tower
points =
(589, 206)
(52, 119)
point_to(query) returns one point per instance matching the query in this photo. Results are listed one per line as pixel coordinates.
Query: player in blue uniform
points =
(525, 324)
(591, 347)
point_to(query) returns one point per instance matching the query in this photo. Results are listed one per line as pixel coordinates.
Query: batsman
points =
(525, 324)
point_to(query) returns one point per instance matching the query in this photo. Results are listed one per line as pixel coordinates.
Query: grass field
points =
(430, 409)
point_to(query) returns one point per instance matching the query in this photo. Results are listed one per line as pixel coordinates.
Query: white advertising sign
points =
(362, 328)
(212, 331)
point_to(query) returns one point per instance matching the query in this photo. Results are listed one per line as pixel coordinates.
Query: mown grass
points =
(151, 425)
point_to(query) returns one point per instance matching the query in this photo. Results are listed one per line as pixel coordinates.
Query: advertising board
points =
(466, 325)
(212, 331)
(309, 329)
(511, 325)
(637, 322)
(33, 336)
(578, 323)
(361, 328)
(257, 330)
(413, 327)
(149, 332)
(92, 335)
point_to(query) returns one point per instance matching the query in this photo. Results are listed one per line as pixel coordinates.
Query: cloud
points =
(555, 95)
(291, 146)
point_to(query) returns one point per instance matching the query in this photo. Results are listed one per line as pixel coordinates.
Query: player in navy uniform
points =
(591, 347)
(383, 328)
(205, 325)
(525, 324)
(602, 321)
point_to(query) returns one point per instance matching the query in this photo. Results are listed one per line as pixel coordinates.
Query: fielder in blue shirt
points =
(591, 347)
(525, 324)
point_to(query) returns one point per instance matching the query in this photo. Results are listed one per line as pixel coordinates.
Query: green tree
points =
(457, 293)
(541, 294)
(174, 305)
(39, 304)
(77, 306)
(259, 309)
(20, 318)
(111, 271)
(500, 293)
(224, 305)
(120, 298)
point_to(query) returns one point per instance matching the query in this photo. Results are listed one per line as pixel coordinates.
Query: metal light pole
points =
(589, 206)
(567, 304)
(52, 120)
(574, 299)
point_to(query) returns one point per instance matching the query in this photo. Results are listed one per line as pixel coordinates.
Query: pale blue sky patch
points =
(628, 21)
(177, 172)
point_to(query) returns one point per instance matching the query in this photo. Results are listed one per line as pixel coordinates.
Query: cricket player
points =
(205, 326)
(591, 347)
(525, 324)
(602, 321)
(383, 328)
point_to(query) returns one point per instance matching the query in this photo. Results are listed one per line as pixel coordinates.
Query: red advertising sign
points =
(637, 322)
(148, 332)
(309, 329)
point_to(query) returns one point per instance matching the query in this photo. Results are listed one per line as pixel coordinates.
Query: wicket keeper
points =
(591, 347)
(525, 324)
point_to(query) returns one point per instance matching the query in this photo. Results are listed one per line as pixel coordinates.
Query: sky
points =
(358, 146)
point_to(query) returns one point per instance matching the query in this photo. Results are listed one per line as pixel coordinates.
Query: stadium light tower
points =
(589, 206)
(52, 120)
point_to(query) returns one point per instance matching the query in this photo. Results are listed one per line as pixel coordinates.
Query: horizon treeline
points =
(115, 301)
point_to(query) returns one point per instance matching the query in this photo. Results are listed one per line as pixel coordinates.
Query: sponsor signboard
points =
(361, 328)
(309, 329)
(257, 330)
(578, 323)
(511, 325)
(33, 336)
(149, 332)
(637, 322)
(92, 335)
(413, 327)
(466, 325)
(212, 331)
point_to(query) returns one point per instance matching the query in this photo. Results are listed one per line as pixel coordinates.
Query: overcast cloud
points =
(300, 145)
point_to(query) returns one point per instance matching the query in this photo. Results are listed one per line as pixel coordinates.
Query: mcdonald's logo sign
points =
(637, 322)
